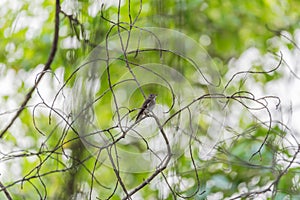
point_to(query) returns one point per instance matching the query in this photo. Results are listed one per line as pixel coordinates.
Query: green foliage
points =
(54, 160)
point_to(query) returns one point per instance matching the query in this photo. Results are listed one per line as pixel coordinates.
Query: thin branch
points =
(5, 191)
(46, 67)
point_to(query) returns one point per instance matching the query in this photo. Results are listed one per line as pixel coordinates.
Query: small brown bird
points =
(147, 106)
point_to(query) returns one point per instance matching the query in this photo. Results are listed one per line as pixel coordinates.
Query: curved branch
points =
(39, 78)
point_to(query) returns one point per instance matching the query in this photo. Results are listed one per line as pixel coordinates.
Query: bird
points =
(147, 106)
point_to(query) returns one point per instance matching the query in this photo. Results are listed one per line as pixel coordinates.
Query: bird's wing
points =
(144, 106)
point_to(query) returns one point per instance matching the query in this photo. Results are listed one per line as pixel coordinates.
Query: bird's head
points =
(152, 96)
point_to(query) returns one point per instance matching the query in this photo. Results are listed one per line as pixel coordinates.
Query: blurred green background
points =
(42, 155)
